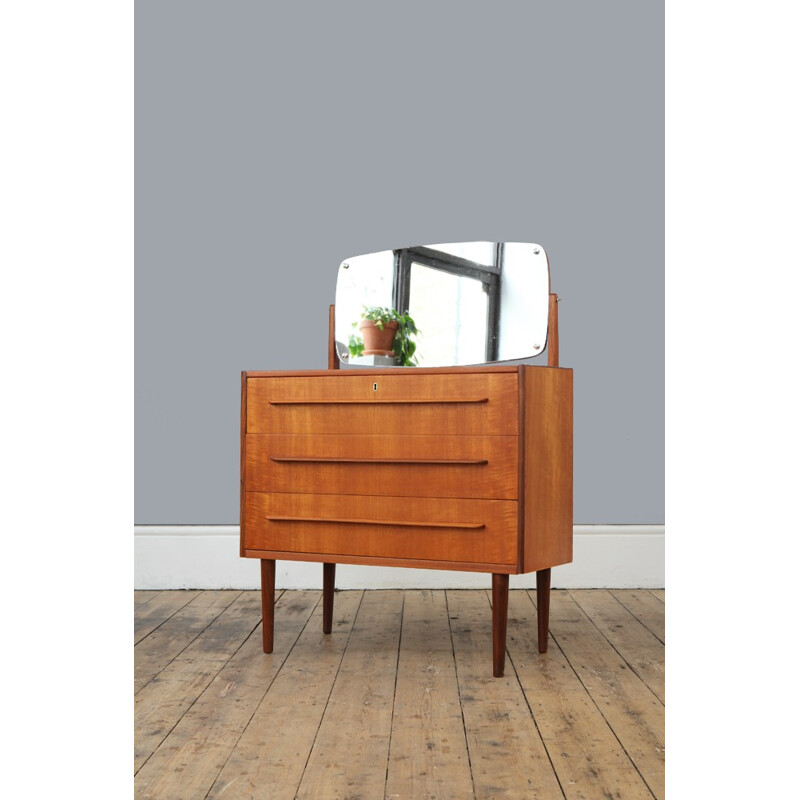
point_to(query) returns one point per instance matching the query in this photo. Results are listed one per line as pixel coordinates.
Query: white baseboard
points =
(207, 557)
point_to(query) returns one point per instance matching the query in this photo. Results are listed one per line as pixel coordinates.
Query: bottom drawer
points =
(482, 531)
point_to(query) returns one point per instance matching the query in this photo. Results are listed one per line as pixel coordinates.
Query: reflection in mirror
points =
(454, 304)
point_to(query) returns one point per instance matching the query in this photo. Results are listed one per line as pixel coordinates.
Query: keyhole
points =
(374, 387)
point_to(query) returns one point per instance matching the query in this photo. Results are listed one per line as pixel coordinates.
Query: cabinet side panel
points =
(548, 468)
(242, 462)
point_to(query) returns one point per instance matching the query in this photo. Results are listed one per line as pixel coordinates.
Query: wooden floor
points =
(399, 701)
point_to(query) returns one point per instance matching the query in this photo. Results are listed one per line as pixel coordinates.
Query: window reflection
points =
(482, 252)
(450, 313)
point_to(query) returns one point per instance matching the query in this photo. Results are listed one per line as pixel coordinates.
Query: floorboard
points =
(142, 598)
(647, 608)
(168, 641)
(158, 610)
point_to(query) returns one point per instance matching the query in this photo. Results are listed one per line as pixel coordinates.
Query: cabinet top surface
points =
(395, 371)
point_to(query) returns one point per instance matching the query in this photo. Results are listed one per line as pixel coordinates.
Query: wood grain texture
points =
(141, 597)
(267, 603)
(333, 356)
(495, 543)
(437, 415)
(159, 610)
(649, 610)
(629, 707)
(328, 586)
(499, 623)
(506, 751)
(350, 753)
(188, 761)
(378, 523)
(548, 475)
(165, 643)
(585, 753)
(316, 373)
(521, 468)
(242, 464)
(543, 607)
(380, 401)
(642, 651)
(491, 474)
(428, 753)
(269, 759)
(415, 563)
(372, 462)
(552, 331)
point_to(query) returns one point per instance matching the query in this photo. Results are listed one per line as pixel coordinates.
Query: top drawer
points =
(441, 403)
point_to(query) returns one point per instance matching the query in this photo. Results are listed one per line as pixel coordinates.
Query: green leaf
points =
(355, 346)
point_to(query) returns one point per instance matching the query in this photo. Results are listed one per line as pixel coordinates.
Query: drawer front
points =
(436, 529)
(449, 403)
(405, 466)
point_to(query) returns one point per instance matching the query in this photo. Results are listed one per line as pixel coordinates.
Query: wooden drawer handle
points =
(377, 401)
(470, 525)
(323, 460)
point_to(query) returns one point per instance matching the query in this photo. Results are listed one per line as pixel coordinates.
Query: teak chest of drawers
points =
(465, 468)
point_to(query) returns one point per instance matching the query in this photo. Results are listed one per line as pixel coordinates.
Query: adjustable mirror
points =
(443, 305)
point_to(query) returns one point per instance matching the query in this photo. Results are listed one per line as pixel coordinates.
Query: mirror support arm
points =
(333, 356)
(552, 332)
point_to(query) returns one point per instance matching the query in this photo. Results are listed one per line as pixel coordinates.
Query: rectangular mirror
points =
(443, 305)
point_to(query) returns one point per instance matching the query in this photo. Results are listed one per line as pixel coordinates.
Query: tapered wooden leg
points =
(267, 602)
(543, 606)
(499, 622)
(328, 583)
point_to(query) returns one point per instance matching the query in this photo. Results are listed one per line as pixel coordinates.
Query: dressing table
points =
(458, 468)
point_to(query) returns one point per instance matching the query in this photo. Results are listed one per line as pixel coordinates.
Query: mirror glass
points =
(443, 305)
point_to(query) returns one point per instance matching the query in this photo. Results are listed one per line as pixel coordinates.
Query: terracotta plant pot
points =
(377, 342)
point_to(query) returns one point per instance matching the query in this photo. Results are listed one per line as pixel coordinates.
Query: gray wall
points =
(275, 140)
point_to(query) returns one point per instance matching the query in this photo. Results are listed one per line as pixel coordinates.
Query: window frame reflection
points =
(487, 274)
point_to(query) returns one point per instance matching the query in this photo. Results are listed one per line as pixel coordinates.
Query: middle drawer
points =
(401, 466)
